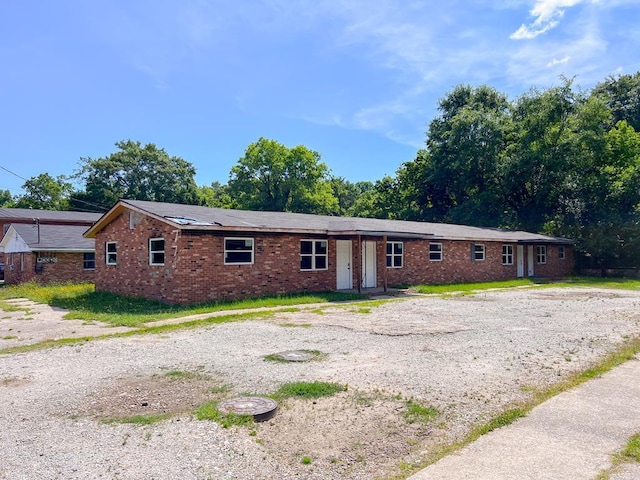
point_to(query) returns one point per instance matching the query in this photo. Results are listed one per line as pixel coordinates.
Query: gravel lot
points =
(469, 357)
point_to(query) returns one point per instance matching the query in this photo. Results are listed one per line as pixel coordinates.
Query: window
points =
(394, 254)
(156, 251)
(112, 253)
(561, 252)
(541, 251)
(89, 261)
(477, 252)
(435, 252)
(238, 251)
(507, 254)
(313, 255)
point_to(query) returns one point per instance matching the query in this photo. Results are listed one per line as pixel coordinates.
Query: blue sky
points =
(356, 80)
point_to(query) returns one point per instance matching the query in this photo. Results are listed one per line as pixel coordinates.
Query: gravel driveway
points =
(468, 357)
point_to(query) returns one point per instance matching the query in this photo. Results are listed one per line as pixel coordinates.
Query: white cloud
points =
(548, 14)
(555, 61)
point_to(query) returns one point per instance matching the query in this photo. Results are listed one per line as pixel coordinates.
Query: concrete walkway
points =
(569, 437)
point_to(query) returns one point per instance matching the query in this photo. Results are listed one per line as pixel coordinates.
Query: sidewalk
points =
(569, 437)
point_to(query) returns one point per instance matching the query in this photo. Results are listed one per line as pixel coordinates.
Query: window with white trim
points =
(395, 253)
(562, 254)
(477, 252)
(435, 252)
(238, 251)
(111, 253)
(541, 253)
(156, 251)
(507, 254)
(89, 261)
(313, 255)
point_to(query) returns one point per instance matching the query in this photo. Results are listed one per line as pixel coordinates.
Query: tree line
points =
(560, 161)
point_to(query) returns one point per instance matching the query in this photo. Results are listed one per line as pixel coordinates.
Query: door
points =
(530, 260)
(344, 280)
(369, 279)
(520, 260)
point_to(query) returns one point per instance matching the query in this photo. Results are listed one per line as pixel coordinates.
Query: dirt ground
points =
(467, 358)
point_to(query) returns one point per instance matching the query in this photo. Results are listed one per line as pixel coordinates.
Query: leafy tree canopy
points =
(44, 192)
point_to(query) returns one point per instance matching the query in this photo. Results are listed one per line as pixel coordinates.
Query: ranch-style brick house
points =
(186, 254)
(46, 246)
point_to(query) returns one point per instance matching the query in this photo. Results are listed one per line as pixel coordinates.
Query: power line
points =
(13, 173)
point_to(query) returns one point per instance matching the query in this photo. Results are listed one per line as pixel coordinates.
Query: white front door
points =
(369, 279)
(344, 280)
(520, 260)
(530, 261)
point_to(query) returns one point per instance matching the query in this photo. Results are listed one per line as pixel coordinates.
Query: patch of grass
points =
(505, 418)
(418, 413)
(308, 390)
(9, 337)
(137, 419)
(209, 411)
(184, 375)
(8, 307)
(306, 460)
(631, 452)
(293, 325)
(84, 303)
(469, 287)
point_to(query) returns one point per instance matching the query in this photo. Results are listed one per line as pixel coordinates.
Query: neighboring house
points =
(48, 254)
(32, 250)
(190, 254)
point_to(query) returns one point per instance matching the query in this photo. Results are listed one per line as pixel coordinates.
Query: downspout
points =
(359, 263)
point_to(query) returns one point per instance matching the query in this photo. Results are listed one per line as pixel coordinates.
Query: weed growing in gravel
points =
(629, 454)
(306, 460)
(185, 375)
(418, 413)
(209, 411)
(309, 390)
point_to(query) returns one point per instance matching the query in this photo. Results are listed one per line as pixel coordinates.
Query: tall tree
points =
(137, 172)
(622, 94)
(273, 177)
(6, 199)
(45, 193)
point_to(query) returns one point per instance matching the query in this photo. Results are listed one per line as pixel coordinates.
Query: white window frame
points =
(541, 254)
(111, 257)
(391, 256)
(314, 255)
(478, 252)
(156, 252)
(507, 254)
(85, 261)
(562, 252)
(245, 239)
(437, 254)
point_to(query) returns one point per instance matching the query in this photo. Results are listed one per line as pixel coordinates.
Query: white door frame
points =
(520, 260)
(344, 257)
(530, 269)
(369, 273)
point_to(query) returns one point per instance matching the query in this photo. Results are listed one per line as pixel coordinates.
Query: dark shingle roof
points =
(55, 237)
(48, 215)
(218, 219)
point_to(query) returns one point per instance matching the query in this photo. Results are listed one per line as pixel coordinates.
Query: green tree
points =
(216, 195)
(139, 173)
(44, 192)
(6, 199)
(273, 177)
(622, 94)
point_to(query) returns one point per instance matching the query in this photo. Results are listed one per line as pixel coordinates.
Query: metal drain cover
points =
(260, 408)
(295, 356)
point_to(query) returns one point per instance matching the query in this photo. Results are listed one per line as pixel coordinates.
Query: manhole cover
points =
(260, 408)
(295, 356)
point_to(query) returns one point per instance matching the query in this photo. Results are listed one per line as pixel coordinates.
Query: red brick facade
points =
(54, 267)
(194, 270)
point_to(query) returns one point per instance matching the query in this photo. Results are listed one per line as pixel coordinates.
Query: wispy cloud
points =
(548, 14)
(555, 61)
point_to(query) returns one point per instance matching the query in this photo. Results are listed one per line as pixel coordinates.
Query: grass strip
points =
(159, 329)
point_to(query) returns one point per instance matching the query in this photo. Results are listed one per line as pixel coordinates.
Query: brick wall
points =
(194, 269)
(68, 267)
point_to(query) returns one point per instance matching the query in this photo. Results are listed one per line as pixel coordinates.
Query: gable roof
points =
(48, 237)
(27, 215)
(195, 217)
